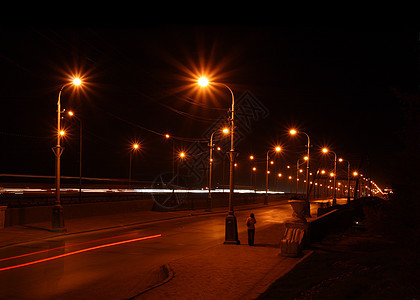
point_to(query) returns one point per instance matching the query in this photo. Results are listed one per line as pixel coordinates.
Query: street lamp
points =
(134, 147)
(355, 175)
(57, 215)
(333, 174)
(348, 178)
(224, 131)
(231, 228)
(71, 114)
(294, 132)
(277, 149)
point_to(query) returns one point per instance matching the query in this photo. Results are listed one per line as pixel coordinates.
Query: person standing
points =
(250, 223)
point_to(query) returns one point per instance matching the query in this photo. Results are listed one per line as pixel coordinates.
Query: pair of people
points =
(250, 223)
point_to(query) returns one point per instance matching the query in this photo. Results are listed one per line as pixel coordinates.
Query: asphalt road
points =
(114, 264)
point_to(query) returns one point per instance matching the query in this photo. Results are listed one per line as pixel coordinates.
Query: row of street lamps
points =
(231, 232)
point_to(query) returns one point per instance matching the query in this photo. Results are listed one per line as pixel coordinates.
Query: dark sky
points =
(336, 84)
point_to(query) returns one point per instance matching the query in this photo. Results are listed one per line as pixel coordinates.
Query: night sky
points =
(341, 86)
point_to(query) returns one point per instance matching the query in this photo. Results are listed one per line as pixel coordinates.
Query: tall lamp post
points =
(211, 145)
(231, 227)
(325, 150)
(71, 114)
(134, 147)
(277, 149)
(348, 178)
(57, 215)
(293, 132)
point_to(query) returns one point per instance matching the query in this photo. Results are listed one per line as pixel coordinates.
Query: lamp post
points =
(334, 175)
(231, 228)
(71, 114)
(348, 178)
(134, 147)
(308, 210)
(277, 149)
(57, 215)
(355, 175)
(211, 145)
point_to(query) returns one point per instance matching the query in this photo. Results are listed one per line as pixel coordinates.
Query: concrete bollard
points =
(296, 231)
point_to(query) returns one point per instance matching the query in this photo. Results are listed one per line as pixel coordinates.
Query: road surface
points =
(115, 264)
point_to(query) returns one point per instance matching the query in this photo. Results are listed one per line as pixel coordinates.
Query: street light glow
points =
(278, 149)
(203, 81)
(77, 81)
(225, 130)
(136, 146)
(62, 132)
(325, 150)
(293, 131)
(182, 154)
(71, 113)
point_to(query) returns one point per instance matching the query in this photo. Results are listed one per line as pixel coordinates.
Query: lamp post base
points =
(58, 219)
(231, 230)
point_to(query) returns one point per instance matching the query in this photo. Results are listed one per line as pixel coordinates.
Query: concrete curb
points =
(167, 270)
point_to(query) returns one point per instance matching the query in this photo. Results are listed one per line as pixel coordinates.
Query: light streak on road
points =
(65, 246)
(79, 251)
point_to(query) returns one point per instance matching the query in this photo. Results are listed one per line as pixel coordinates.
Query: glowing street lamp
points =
(211, 145)
(333, 174)
(231, 230)
(348, 178)
(58, 216)
(277, 149)
(203, 81)
(294, 132)
(134, 148)
(72, 115)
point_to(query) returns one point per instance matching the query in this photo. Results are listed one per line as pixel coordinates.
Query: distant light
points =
(306, 158)
(71, 113)
(254, 169)
(251, 157)
(182, 154)
(355, 173)
(136, 146)
(77, 81)
(203, 81)
(167, 136)
(340, 160)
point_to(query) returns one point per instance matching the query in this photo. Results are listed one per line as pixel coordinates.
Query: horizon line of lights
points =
(134, 190)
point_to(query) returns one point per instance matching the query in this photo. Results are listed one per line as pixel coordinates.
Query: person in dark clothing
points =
(250, 223)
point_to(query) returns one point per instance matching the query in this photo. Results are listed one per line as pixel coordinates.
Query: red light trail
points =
(79, 251)
(71, 245)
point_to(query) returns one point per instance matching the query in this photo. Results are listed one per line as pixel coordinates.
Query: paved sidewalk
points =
(228, 271)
